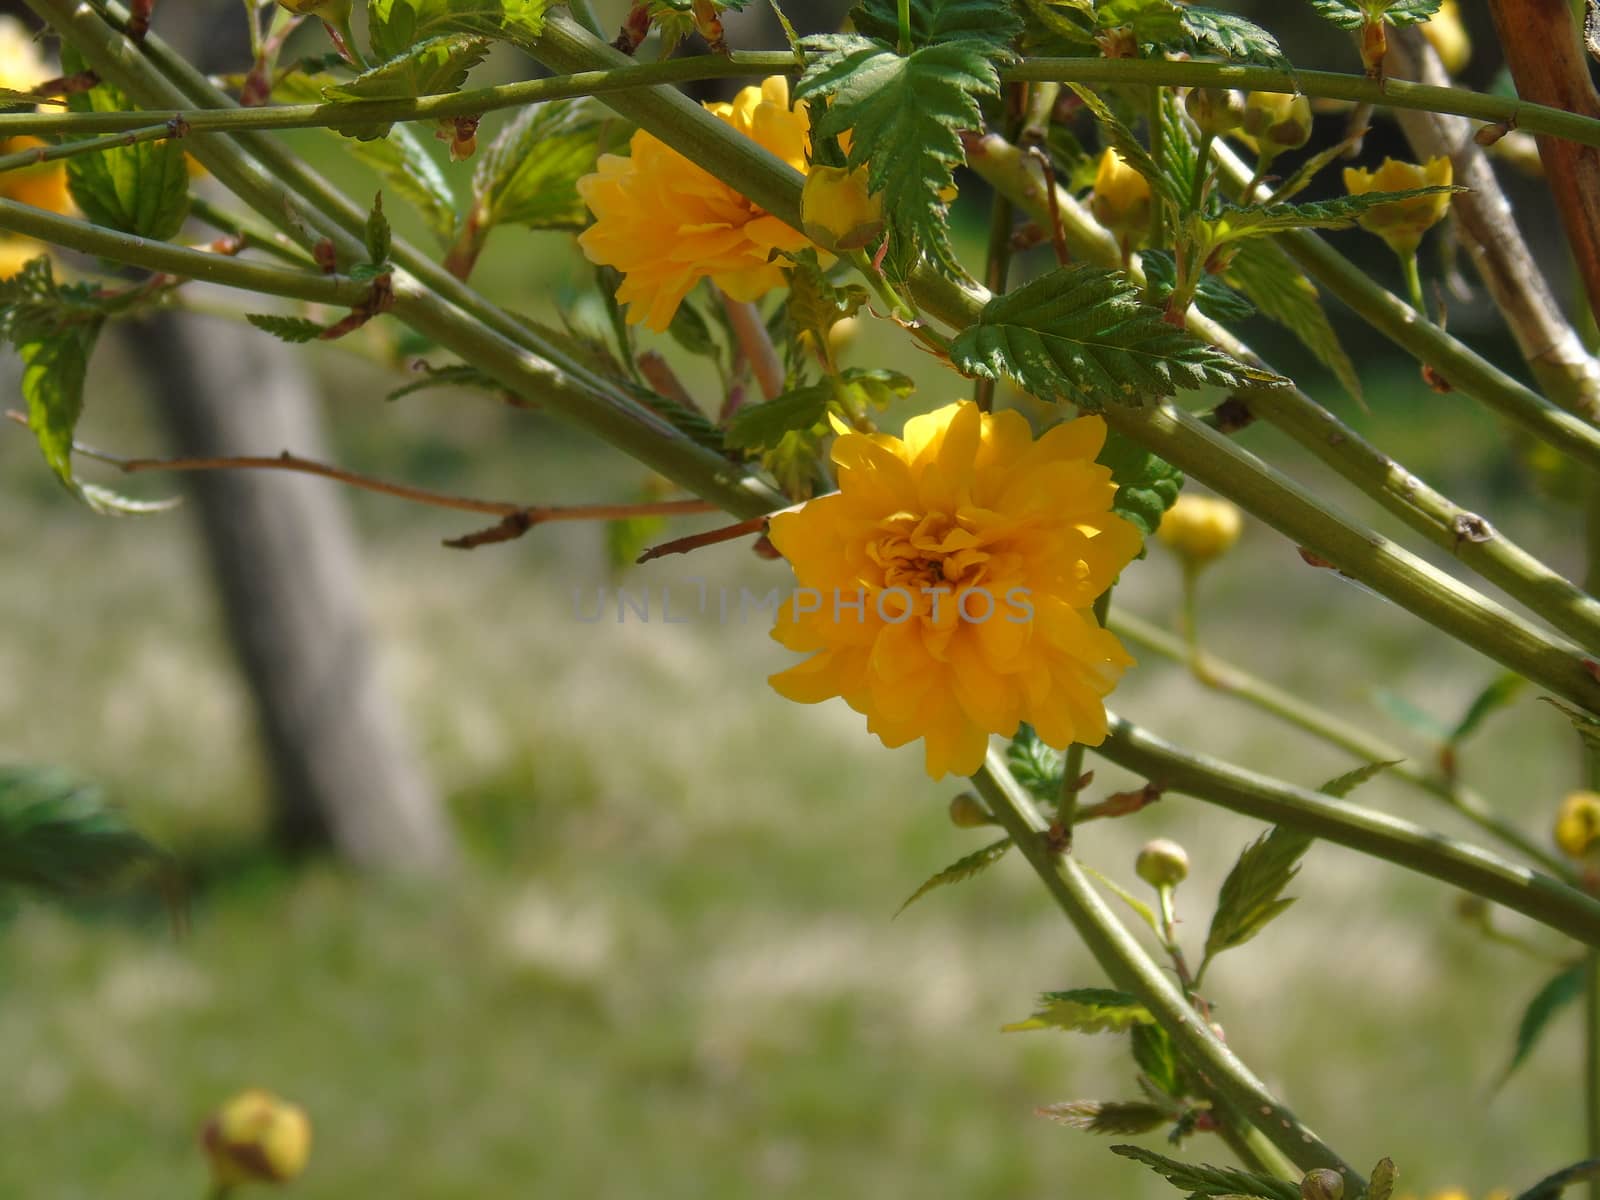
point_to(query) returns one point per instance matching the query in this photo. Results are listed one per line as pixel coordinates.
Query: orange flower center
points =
(931, 551)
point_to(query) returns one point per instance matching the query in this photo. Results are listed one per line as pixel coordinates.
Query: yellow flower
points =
(837, 211)
(1276, 121)
(1402, 223)
(1200, 528)
(1578, 824)
(667, 223)
(1449, 36)
(22, 68)
(946, 588)
(257, 1137)
(1121, 197)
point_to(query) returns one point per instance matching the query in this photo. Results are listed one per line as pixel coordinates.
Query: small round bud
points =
(1121, 197)
(1215, 110)
(1577, 828)
(1162, 863)
(1200, 528)
(256, 1137)
(837, 211)
(1277, 121)
(1322, 1184)
(967, 812)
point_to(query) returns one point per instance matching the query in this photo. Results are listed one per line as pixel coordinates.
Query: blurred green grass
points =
(669, 965)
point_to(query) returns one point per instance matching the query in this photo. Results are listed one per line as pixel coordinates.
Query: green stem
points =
(903, 17)
(1408, 265)
(583, 10)
(178, 260)
(1158, 207)
(1438, 518)
(1591, 1063)
(274, 244)
(1231, 680)
(1471, 868)
(35, 155)
(1280, 1135)
(1202, 168)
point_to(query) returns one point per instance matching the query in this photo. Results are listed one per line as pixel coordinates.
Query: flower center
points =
(935, 551)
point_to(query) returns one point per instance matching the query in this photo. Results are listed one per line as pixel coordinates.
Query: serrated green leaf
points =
(410, 170)
(528, 176)
(435, 67)
(1175, 192)
(397, 25)
(1384, 1176)
(1157, 1056)
(1125, 1117)
(1139, 907)
(1146, 485)
(55, 365)
(904, 117)
(1400, 13)
(962, 869)
(379, 236)
(294, 330)
(1280, 291)
(1346, 14)
(816, 304)
(858, 388)
(1554, 1184)
(141, 189)
(452, 375)
(1231, 36)
(1085, 1010)
(1559, 991)
(1502, 690)
(1342, 785)
(935, 22)
(1214, 297)
(1232, 222)
(60, 837)
(689, 330)
(1034, 765)
(1083, 334)
(1588, 728)
(1252, 894)
(762, 426)
(1203, 1180)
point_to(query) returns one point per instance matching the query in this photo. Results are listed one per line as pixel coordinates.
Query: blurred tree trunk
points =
(285, 562)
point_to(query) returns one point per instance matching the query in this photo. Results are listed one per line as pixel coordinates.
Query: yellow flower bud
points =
(1121, 199)
(837, 211)
(257, 1137)
(1402, 223)
(967, 812)
(1277, 122)
(1200, 528)
(1449, 37)
(1578, 824)
(1215, 110)
(1162, 863)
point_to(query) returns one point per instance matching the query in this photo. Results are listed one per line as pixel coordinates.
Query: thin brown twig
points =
(1058, 232)
(711, 537)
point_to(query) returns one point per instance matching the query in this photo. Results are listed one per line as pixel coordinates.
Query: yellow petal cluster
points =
(1121, 197)
(256, 1137)
(667, 223)
(945, 590)
(1402, 223)
(22, 68)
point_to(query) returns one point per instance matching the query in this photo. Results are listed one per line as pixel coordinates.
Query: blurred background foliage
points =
(667, 965)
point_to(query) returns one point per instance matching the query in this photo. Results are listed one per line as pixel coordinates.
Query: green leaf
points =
(1142, 909)
(294, 330)
(1553, 1185)
(60, 837)
(1215, 298)
(1346, 14)
(379, 236)
(435, 67)
(857, 388)
(1084, 335)
(451, 375)
(1352, 14)
(960, 870)
(1175, 192)
(1504, 689)
(1231, 36)
(141, 189)
(1157, 1056)
(905, 116)
(1202, 1180)
(1252, 894)
(1559, 991)
(1085, 1010)
(1343, 785)
(1400, 13)
(1588, 728)
(1398, 708)
(816, 304)
(1125, 1117)
(411, 171)
(1146, 485)
(1232, 222)
(936, 22)
(1384, 1176)
(762, 426)
(1035, 766)
(529, 174)
(397, 25)
(1281, 292)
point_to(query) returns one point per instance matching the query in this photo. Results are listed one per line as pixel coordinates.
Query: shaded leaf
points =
(1501, 692)
(1408, 714)
(1034, 765)
(1085, 1010)
(1342, 785)
(60, 837)
(1281, 292)
(294, 330)
(529, 174)
(1121, 893)
(1126, 1117)
(962, 869)
(397, 25)
(1252, 894)
(1203, 1180)
(1147, 485)
(1157, 1057)
(1558, 992)
(762, 426)
(435, 67)
(1214, 297)
(935, 22)
(1554, 1184)
(1083, 334)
